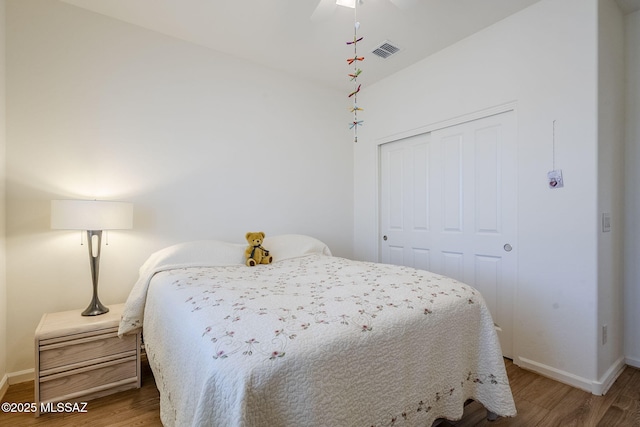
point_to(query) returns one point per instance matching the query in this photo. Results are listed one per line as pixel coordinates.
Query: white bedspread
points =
(316, 341)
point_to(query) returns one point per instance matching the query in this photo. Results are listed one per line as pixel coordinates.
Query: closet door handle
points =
(507, 247)
(384, 238)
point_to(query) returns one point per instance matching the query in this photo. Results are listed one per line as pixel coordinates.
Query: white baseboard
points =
(632, 362)
(21, 376)
(15, 378)
(4, 385)
(597, 388)
(556, 374)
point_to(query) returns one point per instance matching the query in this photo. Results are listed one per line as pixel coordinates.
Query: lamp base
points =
(95, 308)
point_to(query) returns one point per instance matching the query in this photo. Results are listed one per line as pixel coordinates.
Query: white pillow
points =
(203, 253)
(199, 253)
(287, 246)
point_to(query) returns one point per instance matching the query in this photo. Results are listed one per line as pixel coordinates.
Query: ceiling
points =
(280, 34)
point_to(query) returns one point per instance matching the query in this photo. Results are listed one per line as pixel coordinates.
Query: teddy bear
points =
(255, 253)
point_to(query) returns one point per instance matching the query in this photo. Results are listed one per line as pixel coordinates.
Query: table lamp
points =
(93, 216)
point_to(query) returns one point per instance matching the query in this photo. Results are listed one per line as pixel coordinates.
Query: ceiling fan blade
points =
(404, 4)
(324, 10)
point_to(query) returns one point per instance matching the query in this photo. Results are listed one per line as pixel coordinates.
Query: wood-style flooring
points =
(541, 402)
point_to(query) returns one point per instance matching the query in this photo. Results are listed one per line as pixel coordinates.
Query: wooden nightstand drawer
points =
(68, 385)
(81, 357)
(74, 351)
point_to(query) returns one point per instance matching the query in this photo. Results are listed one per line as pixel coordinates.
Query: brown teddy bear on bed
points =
(255, 253)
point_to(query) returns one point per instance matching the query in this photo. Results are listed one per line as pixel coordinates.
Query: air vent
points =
(385, 50)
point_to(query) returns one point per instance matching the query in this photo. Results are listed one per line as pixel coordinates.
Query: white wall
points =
(632, 194)
(167, 124)
(3, 269)
(545, 59)
(204, 145)
(611, 119)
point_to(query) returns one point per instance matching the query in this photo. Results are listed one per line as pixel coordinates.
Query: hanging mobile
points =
(356, 73)
(554, 177)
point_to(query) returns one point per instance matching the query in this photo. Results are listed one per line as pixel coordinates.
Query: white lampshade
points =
(347, 3)
(91, 215)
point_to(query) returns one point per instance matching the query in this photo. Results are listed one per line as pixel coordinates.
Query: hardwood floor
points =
(541, 402)
(137, 407)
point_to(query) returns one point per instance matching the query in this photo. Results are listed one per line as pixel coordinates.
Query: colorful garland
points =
(354, 76)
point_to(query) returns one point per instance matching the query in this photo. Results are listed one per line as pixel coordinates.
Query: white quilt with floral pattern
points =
(319, 341)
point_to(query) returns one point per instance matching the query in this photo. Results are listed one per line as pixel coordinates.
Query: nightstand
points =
(81, 357)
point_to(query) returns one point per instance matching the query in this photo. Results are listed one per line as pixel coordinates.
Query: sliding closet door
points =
(448, 205)
(405, 203)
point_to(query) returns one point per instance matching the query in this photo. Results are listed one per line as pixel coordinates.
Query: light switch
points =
(606, 222)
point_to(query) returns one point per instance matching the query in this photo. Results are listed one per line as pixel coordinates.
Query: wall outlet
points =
(604, 334)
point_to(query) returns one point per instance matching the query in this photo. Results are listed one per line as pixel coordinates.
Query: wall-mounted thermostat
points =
(554, 179)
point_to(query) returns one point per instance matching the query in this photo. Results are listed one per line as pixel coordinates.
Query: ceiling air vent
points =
(385, 50)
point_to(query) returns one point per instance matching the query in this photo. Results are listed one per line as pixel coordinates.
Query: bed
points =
(311, 339)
